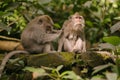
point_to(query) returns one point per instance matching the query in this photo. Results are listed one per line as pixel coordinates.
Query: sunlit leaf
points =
(70, 75)
(111, 76)
(98, 77)
(101, 67)
(59, 67)
(114, 40)
(117, 18)
(41, 71)
(115, 5)
(57, 25)
(106, 20)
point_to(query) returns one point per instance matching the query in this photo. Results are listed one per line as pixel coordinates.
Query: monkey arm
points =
(60, 43)
(65, 24)
(50, 37)
(84, 46)
(84, 42)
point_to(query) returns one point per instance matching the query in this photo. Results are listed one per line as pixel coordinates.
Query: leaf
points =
(43, 1)
(70, 75)
(114, 40)
(2, 13)
(101, 67)
(97, 77)
(115, 27)
(41, 71)
(106, 20)
(57, 25)
(111, 76)
(88, 4)
(59, 67)
(4, 27)
(117, 18)
(90, 23)
(106, 46)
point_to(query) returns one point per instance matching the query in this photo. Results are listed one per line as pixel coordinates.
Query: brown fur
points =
(73, 37)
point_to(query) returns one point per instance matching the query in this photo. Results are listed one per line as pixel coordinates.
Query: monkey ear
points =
(49, 19)
(40, 21)
(69, 17)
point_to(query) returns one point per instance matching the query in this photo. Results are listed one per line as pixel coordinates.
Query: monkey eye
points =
(48, 27)
(78, 17)
(40, 21)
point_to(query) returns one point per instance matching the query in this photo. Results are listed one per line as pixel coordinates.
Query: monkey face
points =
(78, 22)
(46, 19)
(44, 22)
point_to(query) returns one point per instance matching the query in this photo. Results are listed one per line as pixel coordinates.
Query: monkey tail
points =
(6, 58)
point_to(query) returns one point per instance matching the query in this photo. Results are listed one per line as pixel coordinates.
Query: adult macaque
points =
(36, 38)
(73, 37)
(39, 34)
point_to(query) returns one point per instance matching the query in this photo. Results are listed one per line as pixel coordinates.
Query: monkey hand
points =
(84, 50)
(79, 51)
(56, 31)
(59, 31)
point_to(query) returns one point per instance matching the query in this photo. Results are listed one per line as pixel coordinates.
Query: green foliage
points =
(111, 76)
(100, 15)
(114, 40)
(100, 68)
(41, 71)
(54, 73)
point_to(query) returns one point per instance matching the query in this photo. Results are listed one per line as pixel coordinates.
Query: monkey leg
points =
(78, 45)
(48, 48)
(68, 45)
(60, 44)
(84, 46)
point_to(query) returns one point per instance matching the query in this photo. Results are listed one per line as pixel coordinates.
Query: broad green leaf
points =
(114, 40)
(41, 71)
(70, 75)
(57, 25)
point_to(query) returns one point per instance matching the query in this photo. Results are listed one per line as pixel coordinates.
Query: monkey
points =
(37, 37)
(72, 38)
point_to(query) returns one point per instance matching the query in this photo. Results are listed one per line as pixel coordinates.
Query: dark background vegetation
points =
(100, 16)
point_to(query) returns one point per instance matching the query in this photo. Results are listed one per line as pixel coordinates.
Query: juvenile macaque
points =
(73, 37)
(36, 38)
